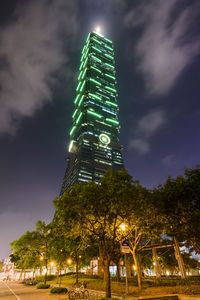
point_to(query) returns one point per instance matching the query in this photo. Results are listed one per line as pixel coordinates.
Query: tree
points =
(179, 200)
(142, 223)
(31, 247)
(167, 260)
(25, 253)
(58, 251)
(44, 236)
(97, 210)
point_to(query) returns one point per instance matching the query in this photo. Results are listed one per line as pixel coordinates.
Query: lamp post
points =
(69, 261)
(51, 266)
(125, 250)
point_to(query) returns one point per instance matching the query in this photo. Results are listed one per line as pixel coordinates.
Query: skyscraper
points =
(94, 137)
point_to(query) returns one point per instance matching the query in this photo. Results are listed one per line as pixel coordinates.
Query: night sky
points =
(157, 47)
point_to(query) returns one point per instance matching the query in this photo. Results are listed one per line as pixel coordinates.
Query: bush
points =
(104, 298)
(43, 286)
(90, 276)
(31, 282)
(41, 277)
(81, 275)
(24, 281)
(59, 290)
(69, 273)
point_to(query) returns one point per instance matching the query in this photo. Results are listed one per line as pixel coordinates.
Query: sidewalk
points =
(97, 294)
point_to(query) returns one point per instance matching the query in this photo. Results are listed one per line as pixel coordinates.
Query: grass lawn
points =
(119, 288)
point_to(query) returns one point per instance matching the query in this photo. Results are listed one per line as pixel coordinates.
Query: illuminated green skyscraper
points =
(94, 137)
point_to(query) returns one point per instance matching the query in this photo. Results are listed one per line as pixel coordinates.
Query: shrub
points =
(82, 275)
(25, 280)
(58, 290)
(31, 282)
(69, 273)
(104, 298)
(43, 286)
(41, 277)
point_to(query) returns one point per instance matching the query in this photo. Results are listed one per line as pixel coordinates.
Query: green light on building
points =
(109, 56)
(95, 81)
(112, 104)
(110, 66)
(81, 100)
(110, 76)
(95, 48)
(79, 117)
(73, 129)
(95, 97)
(75, 112)
(112, 121)
(94, 114)
(96, 58)
(82, 86)
(77, 97)
(110, 89)
(111, 49)
(96, 69)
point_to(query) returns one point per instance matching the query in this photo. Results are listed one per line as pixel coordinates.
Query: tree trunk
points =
(137, 269)
(138, 256)
(20, 276)
(196, 245)
(77, 268)
(60, 276)
(45, 276)
(57, 271)
(101, 265)
(107, 279)
(118, 271)
(179, 259)
(33, 273)
(156, 263)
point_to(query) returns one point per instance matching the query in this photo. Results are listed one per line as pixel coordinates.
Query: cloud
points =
(140, 145)
(169, 161)
(147, 126)
(150, 123)
(31, 54)
(164, 48)
(116, 6)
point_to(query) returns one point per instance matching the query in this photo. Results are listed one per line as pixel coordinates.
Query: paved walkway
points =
(18, 291)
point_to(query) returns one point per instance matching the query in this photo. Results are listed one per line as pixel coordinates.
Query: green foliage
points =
(96, 210)
(174, 281)
(25, 251)
(104, 298)
(58, 290)
(41, 277)
(31, 282)
(88, 218)
(43, 286)
(179, 202)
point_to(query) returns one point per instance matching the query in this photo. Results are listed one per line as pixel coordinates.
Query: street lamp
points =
(124, 227)
(51, 266)
(69, 261)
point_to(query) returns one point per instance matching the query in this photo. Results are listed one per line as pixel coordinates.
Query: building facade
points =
(94, 137)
